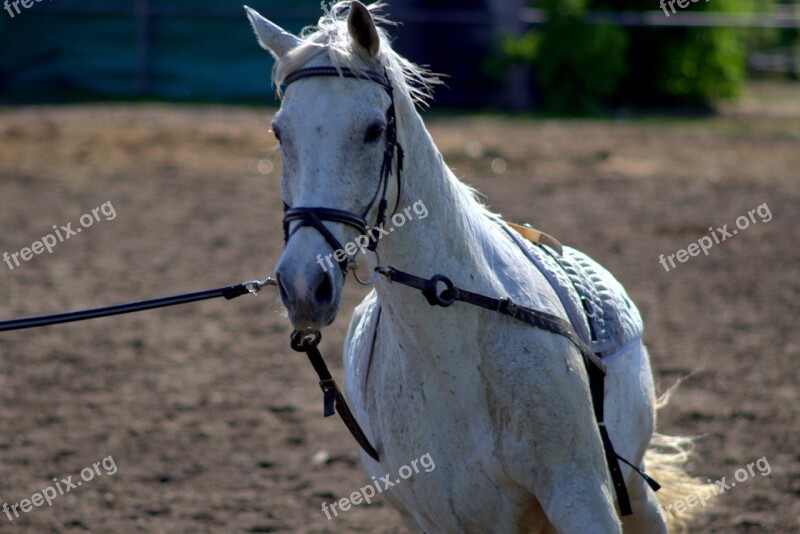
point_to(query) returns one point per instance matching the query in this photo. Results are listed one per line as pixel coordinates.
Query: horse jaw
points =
(272, 37)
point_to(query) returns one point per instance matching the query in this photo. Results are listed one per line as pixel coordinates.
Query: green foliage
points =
(578, 77)
(704, 67)
(581, 68)
(682, 67)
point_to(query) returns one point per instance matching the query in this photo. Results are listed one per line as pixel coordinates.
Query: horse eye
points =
(373, 133)
(277, 133)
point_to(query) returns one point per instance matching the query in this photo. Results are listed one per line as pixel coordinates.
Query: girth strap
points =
(538, 319)
(595, 367)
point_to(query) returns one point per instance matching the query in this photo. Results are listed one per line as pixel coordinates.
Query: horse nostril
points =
(324, 292)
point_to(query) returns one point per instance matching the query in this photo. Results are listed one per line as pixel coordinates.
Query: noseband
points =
(314, 216)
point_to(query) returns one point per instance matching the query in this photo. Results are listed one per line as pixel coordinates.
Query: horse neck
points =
(456, 238)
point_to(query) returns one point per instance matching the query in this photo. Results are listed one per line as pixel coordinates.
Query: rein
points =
(333, 399)
(229, 292)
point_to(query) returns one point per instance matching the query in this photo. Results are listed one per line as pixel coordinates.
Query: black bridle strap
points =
(337, 72)
(229, 293)
(328, 214)
(311, 216)
(333, 400)
(595, 367)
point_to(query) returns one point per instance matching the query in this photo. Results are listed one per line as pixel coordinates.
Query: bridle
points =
(315, 216)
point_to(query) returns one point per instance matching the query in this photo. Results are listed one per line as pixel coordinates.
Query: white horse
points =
(504, 409)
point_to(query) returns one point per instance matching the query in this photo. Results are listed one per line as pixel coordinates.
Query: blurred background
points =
(559, 56)
(619, 128)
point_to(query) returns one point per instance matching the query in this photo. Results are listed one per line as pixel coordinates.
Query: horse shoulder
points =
(537, 394)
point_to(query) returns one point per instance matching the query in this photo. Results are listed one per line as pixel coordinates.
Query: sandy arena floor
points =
(214, 423)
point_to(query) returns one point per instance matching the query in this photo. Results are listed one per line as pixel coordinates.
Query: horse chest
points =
(468, 477)
(413, 413)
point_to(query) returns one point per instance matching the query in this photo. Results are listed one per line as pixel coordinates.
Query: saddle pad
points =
(596, 303)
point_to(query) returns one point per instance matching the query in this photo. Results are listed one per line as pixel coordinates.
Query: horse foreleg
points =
(646, 517)
(548, 438)
(575, 502)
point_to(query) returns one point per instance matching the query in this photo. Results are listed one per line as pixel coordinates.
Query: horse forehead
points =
(323, 101)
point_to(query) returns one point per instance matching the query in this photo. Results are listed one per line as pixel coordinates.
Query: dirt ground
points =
(215, 425)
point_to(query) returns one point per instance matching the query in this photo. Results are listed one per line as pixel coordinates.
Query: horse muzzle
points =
(310, 288)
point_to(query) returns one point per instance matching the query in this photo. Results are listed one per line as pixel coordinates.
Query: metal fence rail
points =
(145, 20)
(778, 19)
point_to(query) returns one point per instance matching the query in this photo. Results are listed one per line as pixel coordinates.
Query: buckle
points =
(329, 389)
(507, 307)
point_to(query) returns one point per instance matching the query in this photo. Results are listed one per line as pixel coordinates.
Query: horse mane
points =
(331, 37)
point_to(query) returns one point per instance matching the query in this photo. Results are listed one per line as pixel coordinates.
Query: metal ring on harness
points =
(353, 266)
(300, 341)
(431, 291)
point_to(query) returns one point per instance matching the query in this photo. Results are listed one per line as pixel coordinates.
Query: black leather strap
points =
(327, 214)
(228, 293)
(538, 319)
(310, 216)
(595, 367)
(334, 72)
(333, 399)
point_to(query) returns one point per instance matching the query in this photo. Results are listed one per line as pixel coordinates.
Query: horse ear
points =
(362, 28)
(271, 37)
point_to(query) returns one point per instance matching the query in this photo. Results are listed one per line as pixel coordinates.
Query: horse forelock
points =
(331, 38)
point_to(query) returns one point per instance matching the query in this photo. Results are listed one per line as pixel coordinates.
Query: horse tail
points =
(682, 497)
